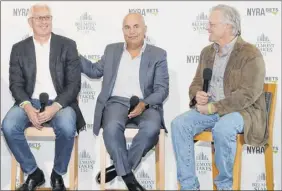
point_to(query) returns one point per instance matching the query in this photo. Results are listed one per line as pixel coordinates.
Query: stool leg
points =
(214, 169)
(160, 162)
(71, 169)
(269, 167)
(238, 163)
(13, 172)
(76, 161)
(102, 164)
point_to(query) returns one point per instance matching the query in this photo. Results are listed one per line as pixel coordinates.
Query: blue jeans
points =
(64, 125)
(224, 131)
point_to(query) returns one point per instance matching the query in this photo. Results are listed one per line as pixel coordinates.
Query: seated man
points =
(235, 101)
(133, 68)
(43, 63)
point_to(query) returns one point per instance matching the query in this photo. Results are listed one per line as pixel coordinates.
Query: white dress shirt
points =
(43, 81)
(127, 82)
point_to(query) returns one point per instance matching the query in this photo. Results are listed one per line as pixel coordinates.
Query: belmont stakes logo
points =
(145, 12)
(86, 163)
(201, 23)
(260, 182)
(264, 44)
(145, 180)
(86, 23)
(87, 93)
(203, 164)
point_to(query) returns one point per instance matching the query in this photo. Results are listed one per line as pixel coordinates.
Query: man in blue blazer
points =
(133, 68)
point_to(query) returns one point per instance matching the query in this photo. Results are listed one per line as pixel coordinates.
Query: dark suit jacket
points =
(65, 69)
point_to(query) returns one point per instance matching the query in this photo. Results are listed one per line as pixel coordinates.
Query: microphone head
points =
(43, 98)
(134, 100)
(207, 74)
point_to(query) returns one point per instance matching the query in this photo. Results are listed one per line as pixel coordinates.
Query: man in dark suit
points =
(133, 68)
(43, 63)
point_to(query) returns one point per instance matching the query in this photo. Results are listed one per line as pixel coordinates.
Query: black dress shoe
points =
(111, 173)
(33, 182)
(57, 183)
(134, 186)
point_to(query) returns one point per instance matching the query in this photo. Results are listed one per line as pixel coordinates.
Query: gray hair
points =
(230, 16)
(38, 5)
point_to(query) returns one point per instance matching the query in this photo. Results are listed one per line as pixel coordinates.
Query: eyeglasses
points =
(42, 18)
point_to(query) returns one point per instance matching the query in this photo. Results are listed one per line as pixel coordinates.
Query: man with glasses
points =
(130, 68)
(234, 103)
(48, 63)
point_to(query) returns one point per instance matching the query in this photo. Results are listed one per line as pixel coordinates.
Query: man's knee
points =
(65, 122)
(14, 121)
(179, 124)
(228, 126)
(150, 128)
(111, 129)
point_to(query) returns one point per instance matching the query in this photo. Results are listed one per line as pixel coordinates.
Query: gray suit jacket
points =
(154, 78)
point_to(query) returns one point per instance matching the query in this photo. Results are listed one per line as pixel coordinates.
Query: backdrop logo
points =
(260, 182)
(275, 149)
(87, 93)
(145, 12)
(145, 180)
(192, 59)
(271, 79)
(203, 164)
(262, 11)
(201, 23)
(85, 23)
(93, 57)
(150, 40)
(86, 163)
(20, 12)
(36, 146)
(255, 150)
(264, 44)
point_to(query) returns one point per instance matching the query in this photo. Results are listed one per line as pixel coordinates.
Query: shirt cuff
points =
(58, 105)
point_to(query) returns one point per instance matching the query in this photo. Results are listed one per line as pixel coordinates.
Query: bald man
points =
(130, 68)
(46, 63)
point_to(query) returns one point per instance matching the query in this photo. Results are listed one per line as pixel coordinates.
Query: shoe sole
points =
(52, 186)
(40, 184)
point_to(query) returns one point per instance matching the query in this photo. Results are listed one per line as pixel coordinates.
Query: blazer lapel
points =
(31, 59)
(116, 63)
(54, 51)
(233, 57)
(145, 60)
(210, 58)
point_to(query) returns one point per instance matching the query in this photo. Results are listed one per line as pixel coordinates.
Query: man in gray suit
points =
(133, 68)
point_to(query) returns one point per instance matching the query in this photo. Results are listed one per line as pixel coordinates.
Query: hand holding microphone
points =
(136, 107)
(202, 97)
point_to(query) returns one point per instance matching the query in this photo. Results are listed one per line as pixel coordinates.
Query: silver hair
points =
(38, 5)
(230, 16)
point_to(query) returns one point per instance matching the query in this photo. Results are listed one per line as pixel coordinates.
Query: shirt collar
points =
(142, 49)
(45, 44)
(227, 48)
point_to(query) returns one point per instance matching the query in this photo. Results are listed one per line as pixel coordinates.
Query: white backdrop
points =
(177, 27)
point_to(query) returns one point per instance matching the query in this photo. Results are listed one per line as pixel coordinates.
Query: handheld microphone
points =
(43, 98)
(134, 100)
(207, 75)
